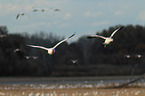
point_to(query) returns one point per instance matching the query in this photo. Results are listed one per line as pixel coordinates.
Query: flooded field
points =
(85, 86)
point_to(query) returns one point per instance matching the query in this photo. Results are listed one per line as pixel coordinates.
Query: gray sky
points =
(84, 17)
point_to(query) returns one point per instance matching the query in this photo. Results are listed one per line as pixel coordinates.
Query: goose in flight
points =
(21, 54)
(138, 56)
(74, 61)
(42, 10)
(17, 50)
(51, 50)
(56, 9)
(39, 9)
(36, 9)
(127, 56)
(2, 36)
(21, 14)
(107, 39)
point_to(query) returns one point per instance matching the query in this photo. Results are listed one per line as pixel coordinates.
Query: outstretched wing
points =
(116, 31)
(38, 47)
(63, 40)
(17, 16)
(95, 36)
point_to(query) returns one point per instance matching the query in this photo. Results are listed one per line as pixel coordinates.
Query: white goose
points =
(107, 39)
(21, 14)
(51, 50)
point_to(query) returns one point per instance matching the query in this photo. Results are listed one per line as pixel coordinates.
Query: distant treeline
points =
(84, 57)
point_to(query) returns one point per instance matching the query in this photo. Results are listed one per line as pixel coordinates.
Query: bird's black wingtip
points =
(72, 35)
(121, 27)
(89, 37)
(17, 16)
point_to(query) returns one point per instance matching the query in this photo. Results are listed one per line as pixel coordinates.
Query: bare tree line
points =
(85, 57)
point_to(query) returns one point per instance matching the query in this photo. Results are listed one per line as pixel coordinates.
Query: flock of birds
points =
(35, 10)
(51, 51)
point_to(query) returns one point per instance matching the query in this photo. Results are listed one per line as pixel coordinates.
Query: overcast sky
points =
(80, 16)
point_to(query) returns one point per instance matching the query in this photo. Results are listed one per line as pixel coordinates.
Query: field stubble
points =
(60, 87)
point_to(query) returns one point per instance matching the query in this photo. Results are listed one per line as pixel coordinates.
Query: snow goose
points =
(107, 39)
(51, 50)
(21, 14)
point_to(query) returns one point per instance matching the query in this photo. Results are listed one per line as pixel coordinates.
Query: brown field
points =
(67, 89)
(19, 91)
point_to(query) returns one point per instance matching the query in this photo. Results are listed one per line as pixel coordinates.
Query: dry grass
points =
(74, 92)
(7, 88)
(60, 90)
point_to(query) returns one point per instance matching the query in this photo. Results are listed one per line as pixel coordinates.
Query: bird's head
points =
(51, 51)
(108, 41)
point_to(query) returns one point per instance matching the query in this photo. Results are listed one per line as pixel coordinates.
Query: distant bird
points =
(56, 9)
(21, 14)
(107, 39)
(21, 54)
(138, 56)
(17, 50)
(51, 50)
(42, 10)
(74, 61)
(39, 9)
(31, 57)
(2, 36)
(127, 56)
(35, 10)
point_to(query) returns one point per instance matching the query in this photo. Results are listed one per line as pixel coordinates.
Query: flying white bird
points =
(21, 14)
(20, 53)
(74, 61)
(138, 56)
(127, 56)
(51, 50)
(2, 35)
(107, 39)
(17, 50)
(31, 57)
